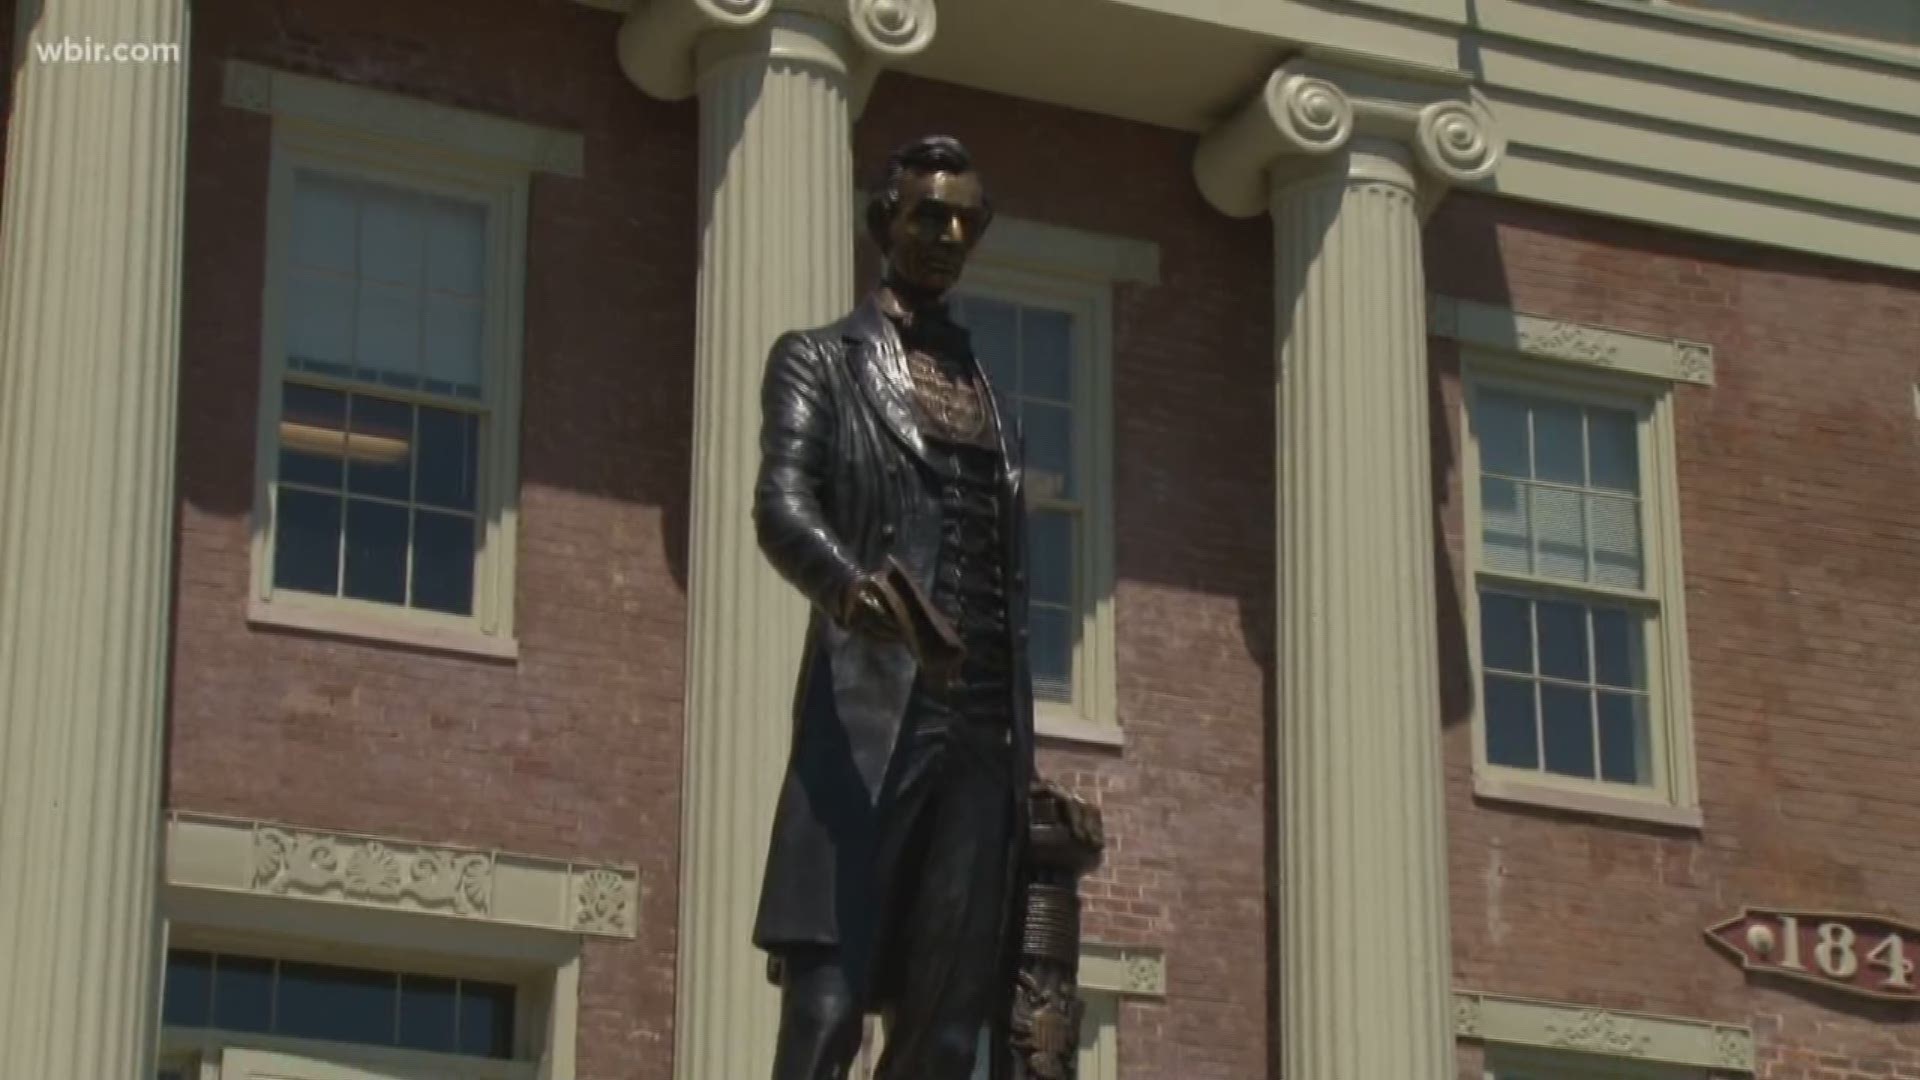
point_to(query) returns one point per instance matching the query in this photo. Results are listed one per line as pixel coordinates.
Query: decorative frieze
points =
(1490, 326)
(268, 859)
(1549, 1025)
(1114, 969)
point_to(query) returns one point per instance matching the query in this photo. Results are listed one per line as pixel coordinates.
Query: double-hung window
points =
(1580, 655)
(1043, 342)
(387, 450)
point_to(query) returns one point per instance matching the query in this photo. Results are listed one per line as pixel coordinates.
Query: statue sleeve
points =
(797, 426)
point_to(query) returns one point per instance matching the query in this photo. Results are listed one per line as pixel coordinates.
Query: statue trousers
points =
(942, 861)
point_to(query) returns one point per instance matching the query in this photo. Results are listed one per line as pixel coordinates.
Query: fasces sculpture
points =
(900, 876)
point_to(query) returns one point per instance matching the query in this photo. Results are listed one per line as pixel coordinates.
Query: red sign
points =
(1858, 954)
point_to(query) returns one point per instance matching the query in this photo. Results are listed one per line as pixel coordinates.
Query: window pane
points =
(306, 542)
(243, 994)
(449, 458)
(486, 1019)
(1512, 739)
(1616, 541)
(1050, 556)
(318, 1001)
(453, 354)
(1625, 750)
(1563, 639)
(1503, 526)
(324, 225)
(381, 451)
(1049, 431)
(1613, 442)
(1046, 354)
(996, 340)
(427, 1013)
(1506, 632)
(1618, 656)
(376, 552)
(1050, 652)
(393, 239)
(187, 1000)
(443, 562)
(319, 323)
(1500, 422)
(1566, 721)
(456, 246)
(386, 344)
(1559, 449)
(1559, 534)
(313, 435)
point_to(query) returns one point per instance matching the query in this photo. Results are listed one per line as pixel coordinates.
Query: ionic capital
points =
(661, 41)
(1323, 112)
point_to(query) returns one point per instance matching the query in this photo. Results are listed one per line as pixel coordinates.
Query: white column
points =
(778, 83)
(89, 349)
(1364, 949)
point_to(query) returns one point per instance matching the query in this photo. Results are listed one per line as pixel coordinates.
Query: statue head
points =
(926, 214)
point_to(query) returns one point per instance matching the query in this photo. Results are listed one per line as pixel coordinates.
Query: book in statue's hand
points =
(927, 633)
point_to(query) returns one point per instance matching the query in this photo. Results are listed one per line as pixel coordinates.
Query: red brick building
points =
(1476, 453)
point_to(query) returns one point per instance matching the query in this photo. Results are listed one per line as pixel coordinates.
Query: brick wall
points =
(574, 750)
(1800, 516)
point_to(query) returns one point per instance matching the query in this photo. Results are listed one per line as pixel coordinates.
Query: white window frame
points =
(360, 134)
(1092, 714)
(1673, 797)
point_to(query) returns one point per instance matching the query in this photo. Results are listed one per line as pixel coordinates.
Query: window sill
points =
(1553, 796)
(1062, 725)
(359, 626)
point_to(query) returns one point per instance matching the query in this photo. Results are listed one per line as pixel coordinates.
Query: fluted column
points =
(778, 83)
(1345, 162)
(89, 349)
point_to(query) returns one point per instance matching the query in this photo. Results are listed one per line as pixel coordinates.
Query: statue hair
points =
(927, 154)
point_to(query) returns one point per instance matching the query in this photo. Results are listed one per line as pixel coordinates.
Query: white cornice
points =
(1553, 1025)
(1115, 969)
(259, 858)
(381, 114)
(1489, 326)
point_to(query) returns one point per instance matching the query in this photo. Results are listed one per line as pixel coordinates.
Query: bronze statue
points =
(890, 494)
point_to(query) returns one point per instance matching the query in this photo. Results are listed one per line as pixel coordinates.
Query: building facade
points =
(1476, 548)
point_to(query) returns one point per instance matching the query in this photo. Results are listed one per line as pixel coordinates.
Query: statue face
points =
(940, 217)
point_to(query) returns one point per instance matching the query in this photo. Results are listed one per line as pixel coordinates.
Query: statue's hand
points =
(868, 614)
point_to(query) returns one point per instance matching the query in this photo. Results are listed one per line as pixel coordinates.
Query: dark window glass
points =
(243, 994)
(1624, 750)
(427, 1013)
(306, 552)
(486, 1019)
(187, 1000)
(1506, 632)
(1563, 639)
(376, 552)
(1512, 738)
(443, 562)
(449, 459)
(319, 1001)
(1566, 722)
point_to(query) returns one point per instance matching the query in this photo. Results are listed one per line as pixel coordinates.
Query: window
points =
(1043, 342)
(1524, 1063)
(266, 996)
(1581, 698)
(386, 477)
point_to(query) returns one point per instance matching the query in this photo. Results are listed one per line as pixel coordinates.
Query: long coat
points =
(840, 489)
